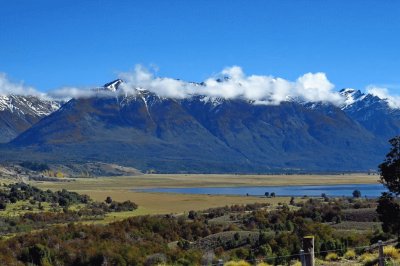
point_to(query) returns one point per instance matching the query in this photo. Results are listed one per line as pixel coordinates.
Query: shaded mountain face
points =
(372, 112)
(202, 134)
(18, 113)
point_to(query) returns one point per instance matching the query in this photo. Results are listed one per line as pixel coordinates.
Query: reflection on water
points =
(367, 190)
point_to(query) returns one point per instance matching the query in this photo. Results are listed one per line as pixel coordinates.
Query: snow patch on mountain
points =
(28, 105)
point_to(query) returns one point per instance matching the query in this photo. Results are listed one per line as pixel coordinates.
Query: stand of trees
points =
(388, 204)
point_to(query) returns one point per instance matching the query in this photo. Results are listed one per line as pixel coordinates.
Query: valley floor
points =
(120, 188)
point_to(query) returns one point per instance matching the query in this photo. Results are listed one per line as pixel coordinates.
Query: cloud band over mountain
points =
(9, 87)
(230, 83)
(233, 83)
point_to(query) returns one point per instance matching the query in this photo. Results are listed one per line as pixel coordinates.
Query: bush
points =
(331, 257)
(35, 166)
(392, 252)
(237, 263)
(368, 259)
(3, 205)
(296, 263)
(263, 264)
(350, 254)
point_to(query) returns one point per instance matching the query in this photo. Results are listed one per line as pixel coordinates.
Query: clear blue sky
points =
(50, 44)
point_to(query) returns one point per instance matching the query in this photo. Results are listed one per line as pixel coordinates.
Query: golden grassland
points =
(120, 189)
(212, 180)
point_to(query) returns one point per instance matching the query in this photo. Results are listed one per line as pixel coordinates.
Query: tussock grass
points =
(237, 263)
(332, 257)
(295, 263)
(368, 259)
(350, 254)
(263, 264)
(391, 252)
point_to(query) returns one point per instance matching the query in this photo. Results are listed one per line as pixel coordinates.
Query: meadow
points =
(120, 189)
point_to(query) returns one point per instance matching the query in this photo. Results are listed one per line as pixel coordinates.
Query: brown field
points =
(211, 180)
(119, 188)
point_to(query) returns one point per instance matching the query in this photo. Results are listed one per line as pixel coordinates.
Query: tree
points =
(388, 207)
(389, 213)
(108, 200)
(273, 194)
(291, 201)
(390, 169)
(266, 194)
(192, 215)
(356, 193)
(3, 205)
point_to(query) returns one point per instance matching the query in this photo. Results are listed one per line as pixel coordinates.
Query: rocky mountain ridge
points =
(18, 113)
(206, 134)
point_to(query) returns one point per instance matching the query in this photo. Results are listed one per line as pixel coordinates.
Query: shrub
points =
(296, 263)
(35, 166)
(368, 259)
(331, 257)
(392, 252)
(350, 254)
(3, 205)
(263, 264)
(237, 263)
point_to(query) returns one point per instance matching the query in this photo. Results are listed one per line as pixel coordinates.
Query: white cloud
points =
(143, 78)
(317, 87)
(9, 87)
(67, 93)
(232, 82)
(383, 93)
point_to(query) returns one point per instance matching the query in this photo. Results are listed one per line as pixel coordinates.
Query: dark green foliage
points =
(22, 191)
(122, 206)
(356, 193)
(59, 200)
(389, 213)
(388, 206)
(3, 205)
(321, 212)
(35, 166)
(390, 168)
(108, 200)
(291, 201)
(192, 215)
(36, 254)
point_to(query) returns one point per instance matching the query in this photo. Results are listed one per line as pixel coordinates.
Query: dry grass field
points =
(119, 188)
(213, 180)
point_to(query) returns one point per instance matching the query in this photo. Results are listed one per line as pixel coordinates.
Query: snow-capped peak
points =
(351, 96)
(28, 105)
(113, 85)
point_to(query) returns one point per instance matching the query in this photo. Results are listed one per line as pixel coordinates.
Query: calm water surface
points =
(368, 190)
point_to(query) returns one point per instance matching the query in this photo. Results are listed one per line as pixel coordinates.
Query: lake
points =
(367, 190)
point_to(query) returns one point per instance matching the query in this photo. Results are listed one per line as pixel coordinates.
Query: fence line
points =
(369, 248)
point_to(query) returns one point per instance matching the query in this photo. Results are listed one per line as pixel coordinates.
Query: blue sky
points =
(49, 44)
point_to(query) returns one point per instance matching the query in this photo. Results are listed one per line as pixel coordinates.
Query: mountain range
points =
(18, 113)
(201, 133)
